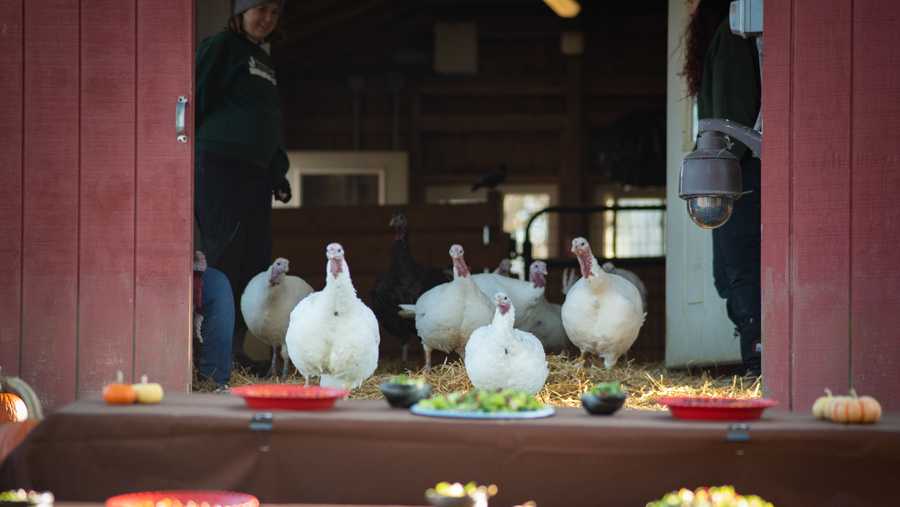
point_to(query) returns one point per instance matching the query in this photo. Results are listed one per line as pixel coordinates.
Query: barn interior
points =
(496, 124)
(405, 105)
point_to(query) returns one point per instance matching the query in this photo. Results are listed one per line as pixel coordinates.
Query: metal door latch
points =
(180, 122)
(738, 432)
(261, 421)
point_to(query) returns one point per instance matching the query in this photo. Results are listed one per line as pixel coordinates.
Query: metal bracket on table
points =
(261, 421)
(738, 432)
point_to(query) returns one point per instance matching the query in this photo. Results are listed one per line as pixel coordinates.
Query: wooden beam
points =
(572, 191)
(50, 238)
(493, 123)
(164, 193)
(595, 85)
(775, 214)
(875, 227)
(546, 177)
(505, 88)
(820, 197)
(416, 187)
(106, 239)
(11, 110)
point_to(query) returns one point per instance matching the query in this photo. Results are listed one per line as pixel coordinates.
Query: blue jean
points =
(217, 328)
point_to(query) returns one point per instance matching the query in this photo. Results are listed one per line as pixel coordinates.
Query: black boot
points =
(751, 346)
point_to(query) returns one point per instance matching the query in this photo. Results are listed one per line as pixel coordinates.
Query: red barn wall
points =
(831, 226)
(95, 194)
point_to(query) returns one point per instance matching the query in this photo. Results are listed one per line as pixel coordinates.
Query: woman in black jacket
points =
(722, 71)
(240, 160)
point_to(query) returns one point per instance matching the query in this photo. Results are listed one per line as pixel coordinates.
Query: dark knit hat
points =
(242, 5)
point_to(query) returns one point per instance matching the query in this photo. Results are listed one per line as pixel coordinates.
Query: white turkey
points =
(544, 319)
(524, 295)
(603, 312)
(448, 313)
(498, 356)
(332, 334)
(266, 304)
(609, 267)
(569, 279)
(504, 267)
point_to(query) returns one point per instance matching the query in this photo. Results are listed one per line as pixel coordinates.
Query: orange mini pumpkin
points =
(119, 393)
(854, 409)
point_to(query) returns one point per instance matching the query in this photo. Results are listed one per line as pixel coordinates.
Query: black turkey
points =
(403, 283)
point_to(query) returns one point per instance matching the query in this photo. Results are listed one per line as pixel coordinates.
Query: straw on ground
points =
(567, 381)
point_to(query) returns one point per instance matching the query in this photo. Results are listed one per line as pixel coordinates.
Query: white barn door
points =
(698, 331)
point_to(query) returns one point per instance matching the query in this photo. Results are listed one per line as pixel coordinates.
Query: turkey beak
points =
(538, 279)
(504, 307)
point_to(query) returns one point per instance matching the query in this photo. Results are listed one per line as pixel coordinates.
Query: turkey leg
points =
(273, 369)
(427, 357)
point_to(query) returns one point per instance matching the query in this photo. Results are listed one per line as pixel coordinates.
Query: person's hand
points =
(199, 261)
(282, 190)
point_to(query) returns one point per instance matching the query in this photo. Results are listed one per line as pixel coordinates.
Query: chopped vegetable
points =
(720, 496)
(607, 389)
(407, 380)
(482, 400)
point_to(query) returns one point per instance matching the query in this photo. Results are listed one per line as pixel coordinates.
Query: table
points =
(363, 452)
(100, 504)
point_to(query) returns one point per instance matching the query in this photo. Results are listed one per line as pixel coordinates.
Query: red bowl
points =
(183, 498)
(716, 409)
(289, 396)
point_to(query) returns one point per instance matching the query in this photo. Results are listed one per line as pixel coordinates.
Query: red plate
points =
(716, 409)
(289, 396)
(183, 498)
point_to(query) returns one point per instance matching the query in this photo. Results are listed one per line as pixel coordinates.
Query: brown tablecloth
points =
(363, 452)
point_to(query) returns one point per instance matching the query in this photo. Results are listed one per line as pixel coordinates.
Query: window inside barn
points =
(517, 211)
(634, 226)
(363, 178)
(520, 203)
(339, 189)
(334, 187)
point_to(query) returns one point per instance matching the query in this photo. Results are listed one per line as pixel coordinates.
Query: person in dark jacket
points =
(240, 161)
(722, 71)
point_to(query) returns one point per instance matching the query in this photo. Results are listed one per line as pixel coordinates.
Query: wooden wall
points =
(363, 79)
(95, 195)
(831, 104)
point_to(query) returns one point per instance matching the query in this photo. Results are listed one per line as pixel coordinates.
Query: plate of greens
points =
(483, 404)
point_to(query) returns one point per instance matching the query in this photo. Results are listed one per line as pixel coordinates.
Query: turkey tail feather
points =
(407, 311)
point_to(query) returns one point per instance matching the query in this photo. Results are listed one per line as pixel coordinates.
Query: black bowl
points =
(602, 405)
(439, 500)
(404, 395)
